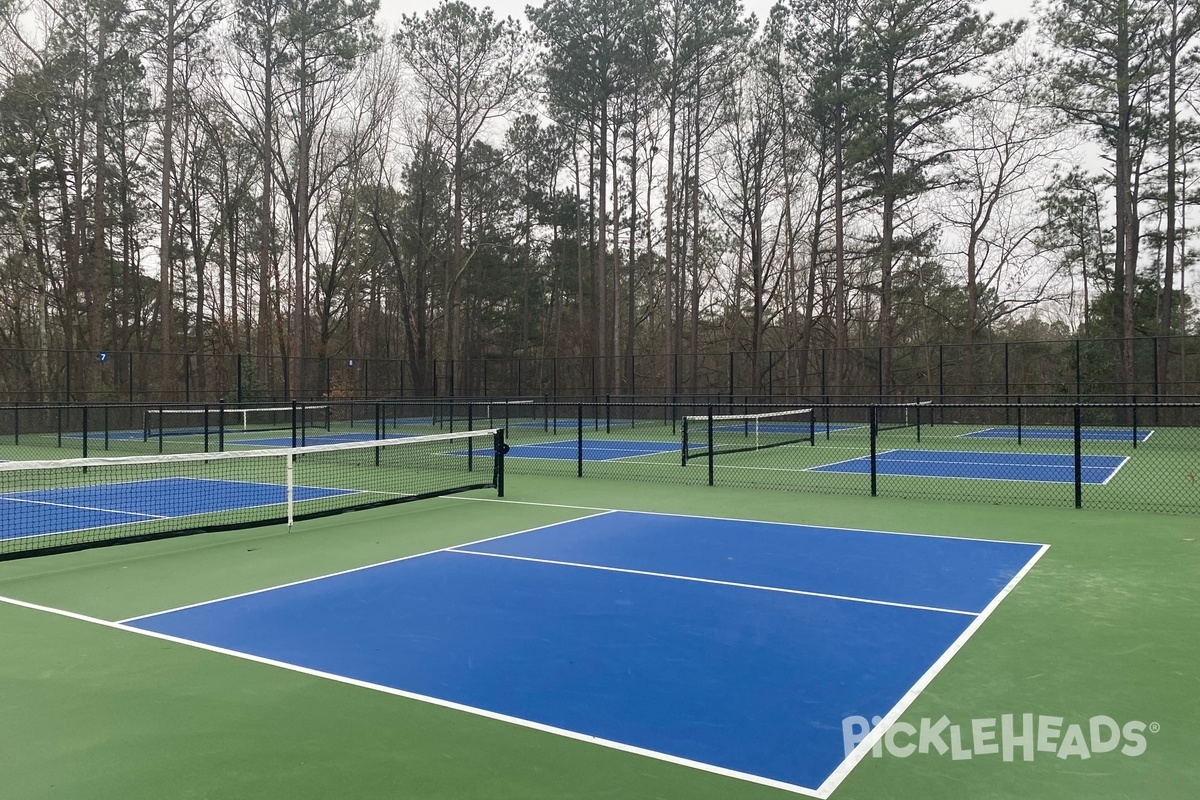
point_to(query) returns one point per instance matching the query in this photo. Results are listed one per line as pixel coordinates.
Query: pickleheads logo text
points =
(1009, 737)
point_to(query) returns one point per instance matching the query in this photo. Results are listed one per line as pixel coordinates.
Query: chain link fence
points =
(1075, 370)
(1120, 456)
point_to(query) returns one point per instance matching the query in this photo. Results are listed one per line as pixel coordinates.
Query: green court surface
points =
(1106, 624)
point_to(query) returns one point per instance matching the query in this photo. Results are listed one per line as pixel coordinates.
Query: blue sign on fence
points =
(350, 362)
(102, 356)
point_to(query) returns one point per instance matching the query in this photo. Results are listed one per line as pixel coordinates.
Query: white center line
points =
(716, 582)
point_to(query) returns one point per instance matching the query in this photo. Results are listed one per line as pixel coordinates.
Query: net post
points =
(291, 489)
(608, 413)
(1079, 459)
(205, 423)
(59, 423)
(874, 427)
(683, 440)
(498, 463)
(295, 408)
(1020, 420)
(106, 428)
(160, 429)
(221, 425)
(711, 469)
(16, 422)
(812, 427)
(917, 409)
(86, 435)
(579, 440)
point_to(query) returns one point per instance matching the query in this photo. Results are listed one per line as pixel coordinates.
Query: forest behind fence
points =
(1057, 371)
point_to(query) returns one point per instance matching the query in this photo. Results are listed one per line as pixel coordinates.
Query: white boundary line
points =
(847, 461)
(823, 468)
(1113, 474)
(731, 519)
(713, 581)
(83, 508)
(1070, 434)
(838, 775)
(823, 792)
(149, 518)
(600, 513)
(437, 701)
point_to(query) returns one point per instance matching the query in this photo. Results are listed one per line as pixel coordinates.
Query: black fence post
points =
(1020, 420)
(874, 430)
(1135, 422)
(86, 435)
(579, 440)
(1079, 459)
(711, 466)
(498, 462)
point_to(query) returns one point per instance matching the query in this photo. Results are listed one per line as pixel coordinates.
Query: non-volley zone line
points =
(45, 512)
(731, 646)
(1030, 467)
(1060, 434)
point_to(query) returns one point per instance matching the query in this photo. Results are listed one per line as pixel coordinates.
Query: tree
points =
(174, 24)
(471, 69)
(913, 56)
(325, 39)
(1006, 144)
(1107, 67)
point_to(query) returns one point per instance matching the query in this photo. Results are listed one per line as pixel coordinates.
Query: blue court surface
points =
(1061, 434)
(1034, 467)
(593, 449)
(731, 646)
(42, 512)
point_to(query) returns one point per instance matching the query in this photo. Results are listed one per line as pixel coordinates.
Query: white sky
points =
(390, 10)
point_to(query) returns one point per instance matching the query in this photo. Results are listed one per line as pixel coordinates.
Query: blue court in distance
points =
(593, 449)
(42, 512)
(1060, 434)
(1034, 467)
(733, 646)
(310, 439)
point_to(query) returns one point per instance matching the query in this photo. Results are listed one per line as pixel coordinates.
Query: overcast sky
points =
(390, 10)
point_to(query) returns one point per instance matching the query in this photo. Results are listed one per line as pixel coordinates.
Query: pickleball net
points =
(71, 503)
(212, 420)
(737, 433)
(896, 416)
